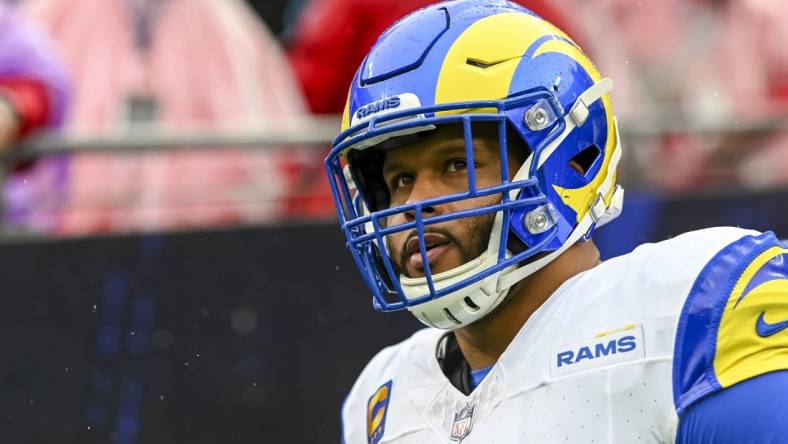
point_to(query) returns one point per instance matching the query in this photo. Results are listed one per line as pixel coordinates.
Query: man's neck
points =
(483, 342)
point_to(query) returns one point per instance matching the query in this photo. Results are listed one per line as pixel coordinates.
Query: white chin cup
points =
(467, 304)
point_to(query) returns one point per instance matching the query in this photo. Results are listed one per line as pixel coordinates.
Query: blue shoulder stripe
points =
(698, 334)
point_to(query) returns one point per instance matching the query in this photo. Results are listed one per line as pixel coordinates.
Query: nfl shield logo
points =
(463, 421)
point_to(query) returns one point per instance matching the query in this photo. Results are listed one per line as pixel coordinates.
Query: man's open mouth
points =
(435, 244)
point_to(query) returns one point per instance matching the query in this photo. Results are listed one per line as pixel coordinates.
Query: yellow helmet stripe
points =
(346, 113)
(496, 44)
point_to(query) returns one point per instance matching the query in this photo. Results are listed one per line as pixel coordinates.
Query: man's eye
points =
(456, 165)
(401, 181)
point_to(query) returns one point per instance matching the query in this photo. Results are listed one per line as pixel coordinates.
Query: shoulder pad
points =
(734, 324)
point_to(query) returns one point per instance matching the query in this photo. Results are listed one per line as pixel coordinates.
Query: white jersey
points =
(592, 365)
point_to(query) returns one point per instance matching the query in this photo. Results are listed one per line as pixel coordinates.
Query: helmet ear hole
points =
(583, 161)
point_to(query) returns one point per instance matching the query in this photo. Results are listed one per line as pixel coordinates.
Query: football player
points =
(478, 155)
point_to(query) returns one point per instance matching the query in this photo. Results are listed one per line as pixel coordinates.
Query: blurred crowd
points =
(704, 82)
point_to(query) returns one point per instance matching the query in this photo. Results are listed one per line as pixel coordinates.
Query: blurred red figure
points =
(33, 84)
(332, 37)
(177, 65)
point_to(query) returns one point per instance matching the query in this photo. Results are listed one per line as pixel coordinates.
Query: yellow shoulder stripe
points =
(742, 353)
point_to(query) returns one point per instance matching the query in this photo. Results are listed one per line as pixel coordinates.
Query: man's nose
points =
(423, 189)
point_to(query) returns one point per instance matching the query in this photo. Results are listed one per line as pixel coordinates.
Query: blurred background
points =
(172, 270)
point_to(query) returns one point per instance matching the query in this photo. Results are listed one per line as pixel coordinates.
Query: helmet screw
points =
(539, 220)
(536, 118)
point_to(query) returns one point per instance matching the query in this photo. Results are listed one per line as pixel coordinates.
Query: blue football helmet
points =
(468, 63)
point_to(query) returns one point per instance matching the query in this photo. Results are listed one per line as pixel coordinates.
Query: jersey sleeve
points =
(364, 420)
(365, 410)
(734, 323)
(751, 412)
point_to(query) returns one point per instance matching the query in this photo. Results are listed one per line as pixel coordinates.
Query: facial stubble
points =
(479, 229)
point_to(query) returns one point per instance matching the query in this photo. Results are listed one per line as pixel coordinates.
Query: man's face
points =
(436, 166)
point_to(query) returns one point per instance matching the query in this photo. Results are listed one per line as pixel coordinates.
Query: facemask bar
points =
(356, 224)
(421, 223)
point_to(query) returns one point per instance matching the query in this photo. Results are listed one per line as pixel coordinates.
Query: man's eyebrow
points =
(389, 166)
(450, 148)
